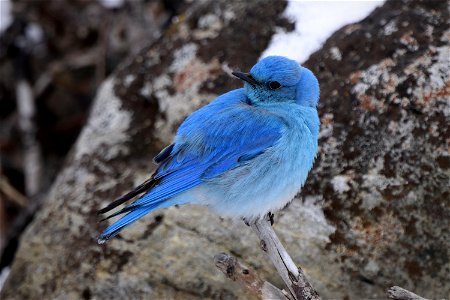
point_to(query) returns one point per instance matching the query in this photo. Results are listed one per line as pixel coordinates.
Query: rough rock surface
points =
(383, 169)
(381, 175)
(168, 255)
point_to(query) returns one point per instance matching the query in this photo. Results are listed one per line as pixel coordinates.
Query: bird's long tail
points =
(133, 214)
(161, 191)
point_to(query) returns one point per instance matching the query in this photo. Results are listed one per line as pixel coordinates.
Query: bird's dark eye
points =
(274, 85)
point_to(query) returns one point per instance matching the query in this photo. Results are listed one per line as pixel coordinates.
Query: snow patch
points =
(314, 23)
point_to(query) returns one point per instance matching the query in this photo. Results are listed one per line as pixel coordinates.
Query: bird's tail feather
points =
(134, 214)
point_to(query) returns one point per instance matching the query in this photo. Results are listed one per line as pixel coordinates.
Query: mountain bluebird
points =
(244, 155)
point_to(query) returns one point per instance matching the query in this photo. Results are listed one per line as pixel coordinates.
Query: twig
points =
(398, 293)
(32, 150)
(293, 276)
(238, 272)
(13, 194)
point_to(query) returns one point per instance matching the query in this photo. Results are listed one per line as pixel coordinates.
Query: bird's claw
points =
(271, 216)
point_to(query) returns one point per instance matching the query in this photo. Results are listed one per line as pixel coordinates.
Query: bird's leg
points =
(271, 215)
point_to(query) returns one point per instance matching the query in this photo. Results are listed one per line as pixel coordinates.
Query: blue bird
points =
(244, 155)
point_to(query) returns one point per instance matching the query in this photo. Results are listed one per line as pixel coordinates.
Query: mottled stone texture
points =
(383, 168)
(381, 176)
(169, 254)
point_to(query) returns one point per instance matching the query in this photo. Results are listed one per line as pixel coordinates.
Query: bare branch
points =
(10, 191)
(238, 272)
(32, 150)
(398, 293)
(293, 276)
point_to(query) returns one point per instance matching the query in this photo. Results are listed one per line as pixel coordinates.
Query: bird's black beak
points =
(246, 77)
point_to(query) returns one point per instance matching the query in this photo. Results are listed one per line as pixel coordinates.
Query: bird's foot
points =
(271, 215)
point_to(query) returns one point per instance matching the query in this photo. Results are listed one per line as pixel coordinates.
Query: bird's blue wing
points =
(165, 153)
(218, 137)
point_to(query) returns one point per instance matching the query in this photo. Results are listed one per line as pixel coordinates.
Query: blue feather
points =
(115, 228)
(165, 153)
(203, 149)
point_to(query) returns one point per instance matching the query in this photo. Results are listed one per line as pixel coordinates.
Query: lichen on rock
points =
(106, 131)
(166, 255)
(383, 164)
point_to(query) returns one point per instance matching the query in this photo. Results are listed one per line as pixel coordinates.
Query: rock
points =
(383, 168)
(169, 254)
(381, 175)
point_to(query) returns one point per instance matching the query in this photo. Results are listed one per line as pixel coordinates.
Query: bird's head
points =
(279, 79)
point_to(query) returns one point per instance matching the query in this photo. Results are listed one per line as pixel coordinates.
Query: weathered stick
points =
(13, 194)
(398, 293)
(248, 278)
(32, 150)
(293, 276)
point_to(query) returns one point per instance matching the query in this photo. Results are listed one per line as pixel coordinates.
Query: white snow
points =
(316, 21)
(5, 14)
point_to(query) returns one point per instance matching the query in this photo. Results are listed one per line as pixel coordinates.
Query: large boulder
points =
(169, 254)
(374, 211)
(383, 169)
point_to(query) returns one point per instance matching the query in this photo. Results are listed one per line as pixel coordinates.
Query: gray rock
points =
(374, 211)
(383, 168)
(169, 254)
